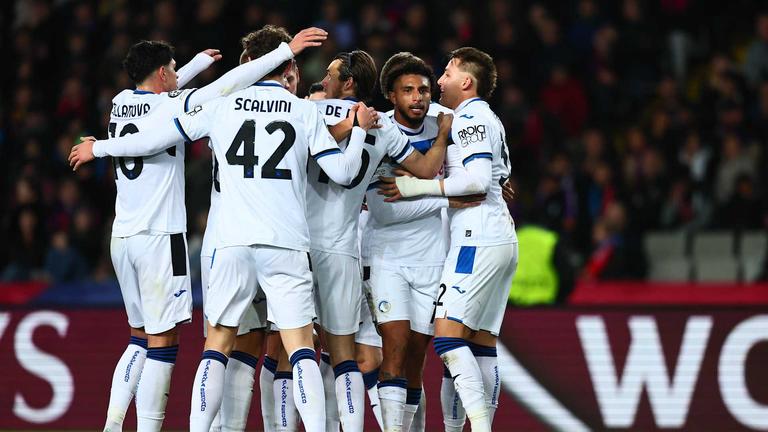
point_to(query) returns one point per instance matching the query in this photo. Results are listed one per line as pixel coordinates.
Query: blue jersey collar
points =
(465, 103)
(137, 91)
(268, 83)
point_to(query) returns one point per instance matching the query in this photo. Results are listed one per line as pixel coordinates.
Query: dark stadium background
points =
(637, 134)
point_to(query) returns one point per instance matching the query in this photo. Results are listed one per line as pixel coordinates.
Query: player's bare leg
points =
(392, 382)
(208, 386)
(451, 344)
(483, 346)
(239, 379)
(308, 384)
(349, 380)
(284, 410)
(414, 373)
(152, 391)
(125, 379)
(369, 360)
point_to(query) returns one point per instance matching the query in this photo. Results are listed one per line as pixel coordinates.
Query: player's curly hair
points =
(478, 64)
(146, 56)
(403, 63)
(359, 66)
(260, 42)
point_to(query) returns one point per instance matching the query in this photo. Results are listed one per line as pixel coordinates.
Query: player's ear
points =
(466, 83)
(391, 97)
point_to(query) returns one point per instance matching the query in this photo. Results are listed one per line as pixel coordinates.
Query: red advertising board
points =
(597, 368)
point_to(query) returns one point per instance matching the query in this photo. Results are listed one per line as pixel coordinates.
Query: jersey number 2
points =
(246, 138)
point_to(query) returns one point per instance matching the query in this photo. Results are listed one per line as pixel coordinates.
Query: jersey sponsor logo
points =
(175, 93)
(471, 134)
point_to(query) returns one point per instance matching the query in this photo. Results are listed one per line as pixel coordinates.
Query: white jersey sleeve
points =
(189, 71)
(240, 77)
(401, 211)
(398, 145)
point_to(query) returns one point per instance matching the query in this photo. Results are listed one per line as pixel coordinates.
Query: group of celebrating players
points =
(331, 225)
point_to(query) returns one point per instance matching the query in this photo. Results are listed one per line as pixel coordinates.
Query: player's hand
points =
(465, 201)
(444, 122)
(309, 37)
(367, 117)
(213, 53)
(402, 172)
(388, 188)
(82, 153)
(507, 192)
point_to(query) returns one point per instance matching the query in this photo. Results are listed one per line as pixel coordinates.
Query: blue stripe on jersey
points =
(374, 185)
(474, 156)
(186, 100)
(402, 153)
(413, 133)
(267, 84)
(326, 153)
(181, 130)
(466, 259)
(350, 98)
(424, 145)
(137, 91)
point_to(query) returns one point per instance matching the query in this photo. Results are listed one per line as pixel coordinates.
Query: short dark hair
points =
(359, 66)
(403, 63)
(478, 64)
(146, 56)
(260, 42)
(315, 87)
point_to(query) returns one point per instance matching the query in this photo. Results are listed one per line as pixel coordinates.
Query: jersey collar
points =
(351, 98)
(137, 91)
(408, 131)
(465, 103)
(268, 83)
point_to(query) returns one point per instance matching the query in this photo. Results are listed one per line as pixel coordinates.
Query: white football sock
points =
(238, 391)
(466, 378)
(350, 395)
(489, 368)
(420, 419)
(266, 390)
(286, 415)
(453, 411)
(308, 390)
(412, 400)
(125, 379)
(371, 379)
(329, 386)
(152, 392)
(392, 396)
(207, 390)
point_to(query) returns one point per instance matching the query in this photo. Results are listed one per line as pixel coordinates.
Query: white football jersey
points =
(150, 190)
(208, 246)
(333, 209)
(478, 133)
(262, 137)
(417, 242)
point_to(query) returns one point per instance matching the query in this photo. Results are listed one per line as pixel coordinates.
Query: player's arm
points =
(341, 167)
(200, 62)
(250, 72)
(428, 165)
(388, 213)
(189, 127)
(475, 178)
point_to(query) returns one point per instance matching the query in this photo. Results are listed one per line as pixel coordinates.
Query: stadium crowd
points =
(622, 116)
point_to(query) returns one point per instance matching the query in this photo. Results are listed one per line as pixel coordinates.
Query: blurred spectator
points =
(564, 98)
(608, 259)
(63, 263)
(734, 162)
(744, 210)
(756, 64)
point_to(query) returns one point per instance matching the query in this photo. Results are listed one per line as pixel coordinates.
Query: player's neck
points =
(151, 86)
(413, 124)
